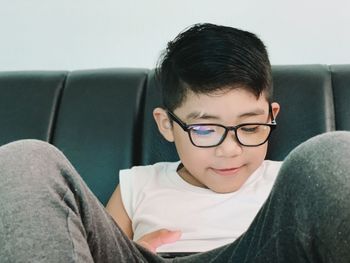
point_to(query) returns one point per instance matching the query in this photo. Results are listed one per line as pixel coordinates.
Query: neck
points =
(188, 177)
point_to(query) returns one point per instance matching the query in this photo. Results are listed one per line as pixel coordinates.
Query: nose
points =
(230, 147)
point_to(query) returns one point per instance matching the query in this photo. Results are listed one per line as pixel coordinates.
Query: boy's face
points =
(223, 168)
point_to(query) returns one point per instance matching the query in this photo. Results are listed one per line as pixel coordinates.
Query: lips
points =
(227, 171)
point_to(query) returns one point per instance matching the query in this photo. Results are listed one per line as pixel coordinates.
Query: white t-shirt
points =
(156, 197)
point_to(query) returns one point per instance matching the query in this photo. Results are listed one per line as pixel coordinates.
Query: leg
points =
(307, 215)
(47, 213)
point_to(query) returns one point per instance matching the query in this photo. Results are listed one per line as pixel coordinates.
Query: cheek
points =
(182, 142)
(257, 155)
(190, 155)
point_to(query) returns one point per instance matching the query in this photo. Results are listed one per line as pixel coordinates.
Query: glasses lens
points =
(206, 135)
(253, 134)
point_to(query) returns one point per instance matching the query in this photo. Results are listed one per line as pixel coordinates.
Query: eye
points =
(250, 128)
(202, 130)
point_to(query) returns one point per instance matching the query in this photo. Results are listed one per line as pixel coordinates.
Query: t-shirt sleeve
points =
(126, 178)
(132, 183)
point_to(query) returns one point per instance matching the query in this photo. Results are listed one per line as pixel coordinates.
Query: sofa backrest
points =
(28, 104)
(97, 124)
(341, 95)
(306, 98)
(102, 119)
(304, 93)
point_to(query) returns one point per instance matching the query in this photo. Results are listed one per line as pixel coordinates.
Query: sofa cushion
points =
(96, 124)
(305, 95)
(28, 100)
(341, 91)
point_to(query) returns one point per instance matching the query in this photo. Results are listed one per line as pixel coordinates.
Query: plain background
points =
(85, 34)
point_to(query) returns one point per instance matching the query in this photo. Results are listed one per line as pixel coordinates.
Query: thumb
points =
(155, 239)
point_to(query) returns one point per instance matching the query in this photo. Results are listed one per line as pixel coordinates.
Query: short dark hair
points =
(207, 58)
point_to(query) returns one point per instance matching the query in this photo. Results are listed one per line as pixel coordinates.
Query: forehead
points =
(225, 104)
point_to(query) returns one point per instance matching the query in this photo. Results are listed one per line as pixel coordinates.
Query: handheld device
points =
(175, 254)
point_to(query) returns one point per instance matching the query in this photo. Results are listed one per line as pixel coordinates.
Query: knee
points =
(324, 160)
(21, 156)
(330, 149)
(26, 147)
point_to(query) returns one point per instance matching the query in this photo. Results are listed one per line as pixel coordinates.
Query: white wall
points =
(79, 34)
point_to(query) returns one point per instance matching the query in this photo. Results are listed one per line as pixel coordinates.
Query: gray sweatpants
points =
(48, 214)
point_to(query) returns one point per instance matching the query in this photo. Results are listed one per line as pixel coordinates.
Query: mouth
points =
(227, 171)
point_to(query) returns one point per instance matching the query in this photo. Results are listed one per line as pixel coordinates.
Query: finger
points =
(167, 236)
(157, 238)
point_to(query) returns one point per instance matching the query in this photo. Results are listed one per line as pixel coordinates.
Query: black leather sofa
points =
(102, 119)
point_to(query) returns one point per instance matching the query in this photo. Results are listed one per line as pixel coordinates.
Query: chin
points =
(225, 190)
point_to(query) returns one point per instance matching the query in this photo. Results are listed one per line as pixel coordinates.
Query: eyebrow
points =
(255, 112)
(200, 115)
(195, 115)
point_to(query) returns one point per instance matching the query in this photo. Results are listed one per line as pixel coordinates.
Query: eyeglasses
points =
(207, 135)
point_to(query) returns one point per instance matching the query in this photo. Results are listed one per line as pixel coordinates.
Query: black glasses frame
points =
(187, 128)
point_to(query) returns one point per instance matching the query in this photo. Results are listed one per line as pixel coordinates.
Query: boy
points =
(48, 214)
(217, 111)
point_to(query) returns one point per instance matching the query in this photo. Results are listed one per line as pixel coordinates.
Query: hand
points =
(155, 239)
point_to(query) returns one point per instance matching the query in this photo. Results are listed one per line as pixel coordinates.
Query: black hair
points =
(207, 58)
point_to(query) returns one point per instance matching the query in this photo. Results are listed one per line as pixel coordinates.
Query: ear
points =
(163, 123)
(275, 109)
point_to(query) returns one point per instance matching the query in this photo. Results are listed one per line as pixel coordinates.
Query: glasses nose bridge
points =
(232, 129)
(229, 129)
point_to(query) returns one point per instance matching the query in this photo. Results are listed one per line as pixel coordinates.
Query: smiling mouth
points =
(227, 172)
